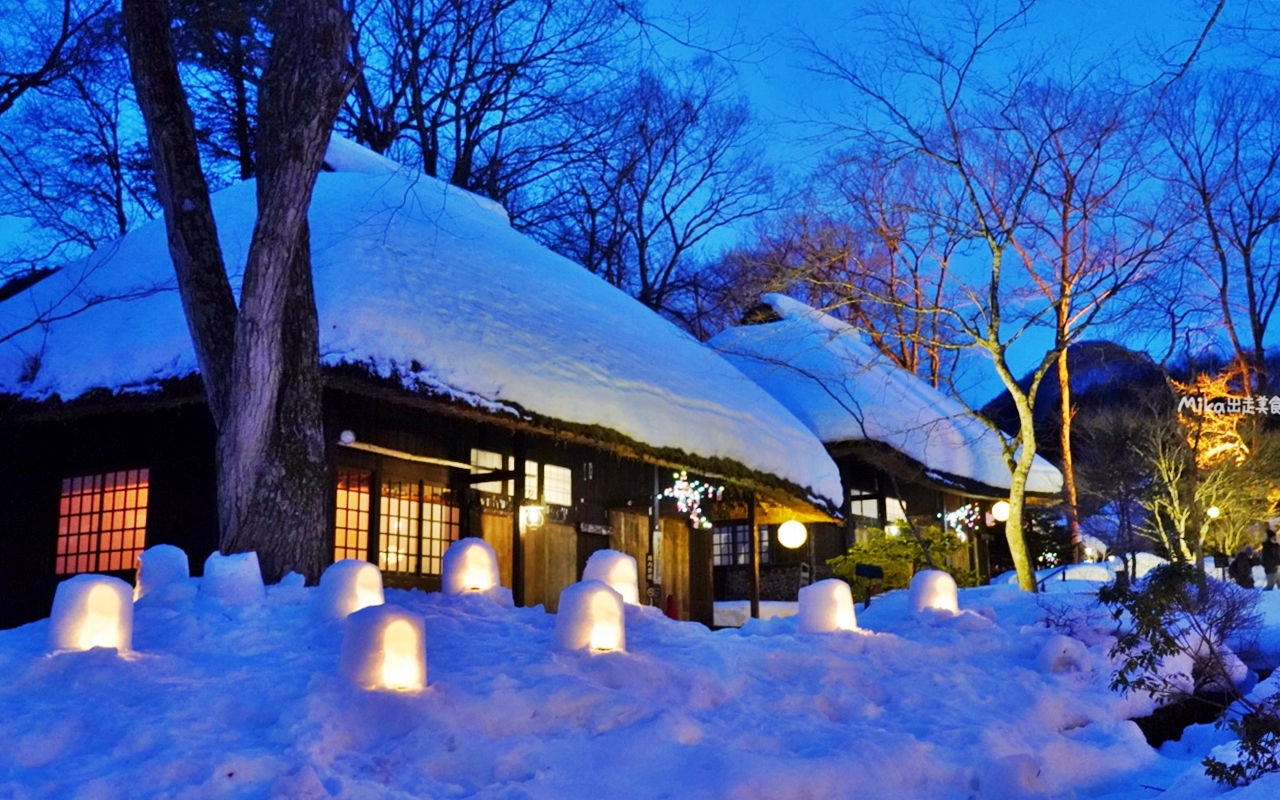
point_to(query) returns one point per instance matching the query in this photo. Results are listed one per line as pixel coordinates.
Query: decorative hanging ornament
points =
(689, 496)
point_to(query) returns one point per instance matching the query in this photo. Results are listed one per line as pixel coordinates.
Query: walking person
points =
(1241, 568)
(1271, 559)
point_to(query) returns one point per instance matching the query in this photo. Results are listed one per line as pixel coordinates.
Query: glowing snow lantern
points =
(235, 579)
(161, 566)
(1000, 510)
(934, 589)
(92, 611)
(827, 606)
(385, 647)
(590, 618)
(469, 566)
(350, 585)
(618, 570)
(792, 534)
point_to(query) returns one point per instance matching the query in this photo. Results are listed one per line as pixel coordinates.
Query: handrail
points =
(1059, 570)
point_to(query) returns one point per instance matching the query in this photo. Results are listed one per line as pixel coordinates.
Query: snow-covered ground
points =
(246, 701)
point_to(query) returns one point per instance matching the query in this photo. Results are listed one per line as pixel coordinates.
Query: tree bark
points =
(207, 300)
(260, 363)
(272, 441)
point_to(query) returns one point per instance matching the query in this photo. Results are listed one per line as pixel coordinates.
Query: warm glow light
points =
(933, 589)
(1000, 511)
(1213, 511)
(792, 534)
(368, 588)
(827, 607)
(100, 626)
(533, 516)
(590, 617)
(476, 577)
(606, 628)
(400, 656)
(891, 529)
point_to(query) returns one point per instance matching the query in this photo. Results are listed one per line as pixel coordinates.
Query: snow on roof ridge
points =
(408, 273)
(843, 388)
(344, 155)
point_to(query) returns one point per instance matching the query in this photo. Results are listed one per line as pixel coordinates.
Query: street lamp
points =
(1213, 512)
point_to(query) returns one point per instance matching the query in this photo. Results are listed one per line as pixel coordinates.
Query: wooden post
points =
(517, 505)
(755, 556)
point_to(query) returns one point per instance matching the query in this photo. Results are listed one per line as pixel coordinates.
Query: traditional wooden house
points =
(453, 348)
(904, 448)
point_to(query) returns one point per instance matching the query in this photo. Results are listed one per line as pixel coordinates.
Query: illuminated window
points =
(417, 523)
(530, 479)
(557, 485)
(488, 461)
(485, 461)
(102, 522)
(351, 523)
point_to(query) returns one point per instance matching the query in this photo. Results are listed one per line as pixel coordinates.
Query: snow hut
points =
(384, 647)
(348, 586)
(616, 569)
(92, 611)
(590, 618)
(470, 566)
(827, 606)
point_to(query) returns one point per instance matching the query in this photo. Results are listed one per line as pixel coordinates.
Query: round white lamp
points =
(1000, 510)
(792, 534)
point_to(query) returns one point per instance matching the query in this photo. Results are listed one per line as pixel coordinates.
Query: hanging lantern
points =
(590, 618)
(792, 534)
(92, 611)
(1000, 510)
(348, 586)
(385, 647)
(827, 606)
(935, 590)
(469, 566)
(616, 569)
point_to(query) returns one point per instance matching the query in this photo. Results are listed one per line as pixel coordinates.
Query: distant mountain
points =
(1104, 375)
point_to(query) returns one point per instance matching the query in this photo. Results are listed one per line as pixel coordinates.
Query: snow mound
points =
(590, 617)
(161, 566)
(348, 586)
(827, 606)
(616, 569)
(934, 590)
(469, 566)
(234, 580)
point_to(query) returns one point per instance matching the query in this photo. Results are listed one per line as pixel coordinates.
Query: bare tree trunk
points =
(260, 363)
(207, 300)
(1013, 528)
(287, 496)
(1068, 462)
(272, 440)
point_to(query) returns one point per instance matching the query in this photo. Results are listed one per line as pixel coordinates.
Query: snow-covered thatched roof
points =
(427, 284)
(846, 390)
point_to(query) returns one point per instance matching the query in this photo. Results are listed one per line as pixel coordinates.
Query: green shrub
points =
(901, 556)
